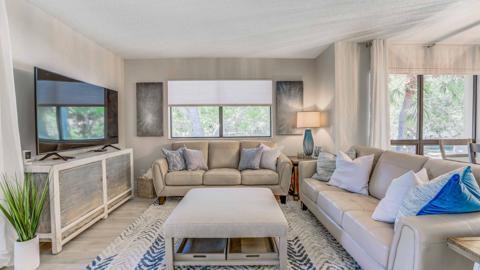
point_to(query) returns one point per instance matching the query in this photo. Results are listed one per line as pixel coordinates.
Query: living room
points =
(239, 134)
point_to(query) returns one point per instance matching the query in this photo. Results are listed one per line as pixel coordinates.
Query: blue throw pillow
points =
(461, 194)
(419, 196)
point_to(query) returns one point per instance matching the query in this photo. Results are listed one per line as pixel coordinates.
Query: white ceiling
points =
(244, 28)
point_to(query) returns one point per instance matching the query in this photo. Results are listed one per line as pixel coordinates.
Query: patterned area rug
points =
(141, 245)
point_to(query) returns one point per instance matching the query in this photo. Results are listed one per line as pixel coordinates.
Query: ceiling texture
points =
(259, 28)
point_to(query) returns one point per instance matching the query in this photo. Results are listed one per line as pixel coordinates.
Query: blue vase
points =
(308, 142)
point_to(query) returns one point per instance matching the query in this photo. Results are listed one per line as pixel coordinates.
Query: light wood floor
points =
(79, 252)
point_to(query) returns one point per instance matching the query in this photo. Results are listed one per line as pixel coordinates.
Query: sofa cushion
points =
(374, 236)
(184, 178)
(196, 145)
(336, 203)
(310, 188)
(223, 154)
(259, 177)
(437, 167)
(365, 151)
(392, 165)
(222, 177)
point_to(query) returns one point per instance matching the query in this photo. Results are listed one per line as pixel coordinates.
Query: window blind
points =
(220, 92)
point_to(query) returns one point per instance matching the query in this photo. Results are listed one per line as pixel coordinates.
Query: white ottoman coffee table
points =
(228, 213)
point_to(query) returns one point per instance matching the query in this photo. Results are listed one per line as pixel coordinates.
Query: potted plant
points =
(22, 206)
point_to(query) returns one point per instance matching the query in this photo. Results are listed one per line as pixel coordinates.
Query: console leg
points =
(161, 200)
(283, 199)
(304, 207)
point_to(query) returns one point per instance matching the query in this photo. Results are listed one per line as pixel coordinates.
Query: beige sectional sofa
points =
(419, 242)
(222, 159)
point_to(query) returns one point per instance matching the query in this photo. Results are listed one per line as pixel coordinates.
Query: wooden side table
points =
(469, 247)
(294, 185)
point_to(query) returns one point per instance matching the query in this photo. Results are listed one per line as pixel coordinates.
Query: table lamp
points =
(309, 120)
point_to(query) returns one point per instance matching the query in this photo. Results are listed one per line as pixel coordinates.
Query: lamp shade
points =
(310, 120)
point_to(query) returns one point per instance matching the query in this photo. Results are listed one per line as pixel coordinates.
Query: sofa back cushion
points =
(392, 165)
(196, 145)
(223, 154)
(366, 151)
(254, 144)
(437, 167)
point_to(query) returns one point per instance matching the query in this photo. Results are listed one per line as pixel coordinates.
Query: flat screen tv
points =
(73, 114)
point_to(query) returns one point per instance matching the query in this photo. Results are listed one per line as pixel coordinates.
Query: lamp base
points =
(308, 144)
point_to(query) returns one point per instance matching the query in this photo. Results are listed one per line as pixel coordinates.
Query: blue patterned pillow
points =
(419, 196)
(175, 159)
(460, 194)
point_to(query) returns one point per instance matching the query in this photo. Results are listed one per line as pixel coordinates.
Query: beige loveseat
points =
(419, 242)
(222, 159)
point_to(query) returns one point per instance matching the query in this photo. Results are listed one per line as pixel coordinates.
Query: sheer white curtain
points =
(379, 126)
(346, 108)
(10, 153)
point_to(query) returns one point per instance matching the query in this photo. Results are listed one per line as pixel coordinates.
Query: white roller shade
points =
(238, 92)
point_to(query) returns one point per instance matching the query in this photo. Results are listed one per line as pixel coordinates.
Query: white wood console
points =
(82, 191)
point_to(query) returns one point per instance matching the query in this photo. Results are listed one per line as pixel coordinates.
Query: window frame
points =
(420, 142)
(220, 119)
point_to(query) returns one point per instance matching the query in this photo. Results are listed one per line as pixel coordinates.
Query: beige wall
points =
(325, 76)
(41, 40)
(147, 149)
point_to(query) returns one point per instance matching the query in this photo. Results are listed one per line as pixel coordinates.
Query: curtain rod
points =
(453, 33)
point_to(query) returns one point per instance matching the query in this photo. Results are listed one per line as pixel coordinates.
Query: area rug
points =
(141, 245)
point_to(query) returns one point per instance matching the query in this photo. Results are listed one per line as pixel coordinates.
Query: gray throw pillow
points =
(250, 158)
(269, 157)
(175, 159)
(326, 164)
(194, 159)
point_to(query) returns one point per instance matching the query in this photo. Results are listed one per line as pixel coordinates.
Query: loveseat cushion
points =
(184, 178)
(392, 165)
(222, 177)
(336, 203)
(259, 177)
(374, 236)
(223, 154)
(255, 144)
(310, 188)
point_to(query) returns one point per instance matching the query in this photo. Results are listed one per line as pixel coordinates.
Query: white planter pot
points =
(27, 255)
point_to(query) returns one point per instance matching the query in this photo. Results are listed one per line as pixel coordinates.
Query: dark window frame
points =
(220, 119)
(420, 142)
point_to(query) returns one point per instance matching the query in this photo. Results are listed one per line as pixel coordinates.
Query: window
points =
(206, 109)
(427, 108)
(220, 121)
(194, 121)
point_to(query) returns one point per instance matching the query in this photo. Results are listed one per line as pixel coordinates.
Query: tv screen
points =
(72, 114)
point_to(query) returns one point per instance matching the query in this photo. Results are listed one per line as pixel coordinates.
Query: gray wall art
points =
(150, 109)
(289, 101)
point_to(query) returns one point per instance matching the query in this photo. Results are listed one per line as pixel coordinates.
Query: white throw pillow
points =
(389, 206)
(352, 175)
(269, 157)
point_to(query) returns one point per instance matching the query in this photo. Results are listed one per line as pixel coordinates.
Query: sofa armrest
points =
(306, 169)
(420, 242)
(284, 170)
(159, 170)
